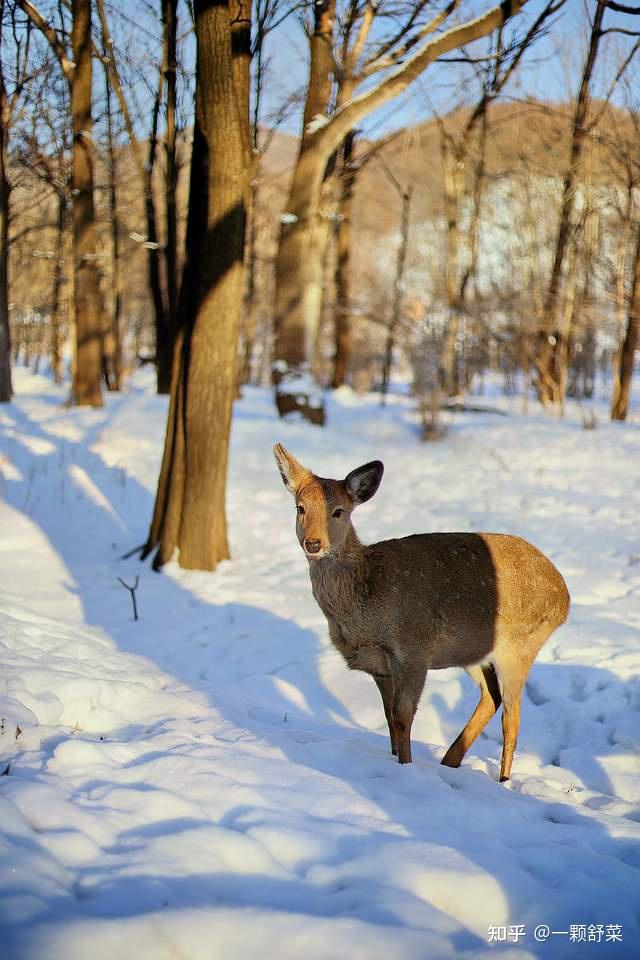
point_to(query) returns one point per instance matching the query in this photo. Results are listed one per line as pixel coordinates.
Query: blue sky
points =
(551, 73)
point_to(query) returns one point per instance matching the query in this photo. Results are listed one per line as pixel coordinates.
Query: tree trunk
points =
(299, 277)
(6, 390)
(112, 335)
(321, 64)
(303, 238)
(89, 316)
(622, 388)
(190, 504)
(249, 304)
(164, 332)
(342, 336)
(453, 180)
(546, 361)
(170, 25)
(58, 284)
(398, 294)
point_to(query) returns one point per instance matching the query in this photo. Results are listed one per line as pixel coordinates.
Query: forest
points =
(310, 195)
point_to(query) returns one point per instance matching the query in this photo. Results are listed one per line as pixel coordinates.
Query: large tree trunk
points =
(5, 336)
(190, 504)
(622, 387)
(546, 360)
(89, 318)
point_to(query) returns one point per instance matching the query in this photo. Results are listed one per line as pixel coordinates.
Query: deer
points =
(485, 602)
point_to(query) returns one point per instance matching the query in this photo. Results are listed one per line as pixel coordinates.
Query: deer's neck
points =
(339, 580)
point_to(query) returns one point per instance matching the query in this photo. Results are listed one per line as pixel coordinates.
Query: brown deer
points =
(486, 602)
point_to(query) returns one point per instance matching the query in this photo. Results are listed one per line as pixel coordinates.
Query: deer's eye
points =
(300, 509)
(337, 513)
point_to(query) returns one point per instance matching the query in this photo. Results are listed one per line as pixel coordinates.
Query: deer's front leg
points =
(385, 686)
(407, 689)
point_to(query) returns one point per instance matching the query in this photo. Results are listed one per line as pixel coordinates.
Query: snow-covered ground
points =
(211, 782)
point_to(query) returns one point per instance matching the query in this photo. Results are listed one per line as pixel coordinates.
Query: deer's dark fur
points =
(486, 602)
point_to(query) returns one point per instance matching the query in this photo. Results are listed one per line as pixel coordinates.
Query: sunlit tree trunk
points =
(622, 388)
(89, 316)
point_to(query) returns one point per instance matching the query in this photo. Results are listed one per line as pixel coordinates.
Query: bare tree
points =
(297, 303)
(77, 68)
(163, 291)
(546, 361)
(8, 104)
(463, 164)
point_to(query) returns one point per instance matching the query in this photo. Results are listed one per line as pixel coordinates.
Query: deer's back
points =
(455, 594)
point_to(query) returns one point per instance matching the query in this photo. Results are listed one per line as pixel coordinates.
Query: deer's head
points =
(324, 507)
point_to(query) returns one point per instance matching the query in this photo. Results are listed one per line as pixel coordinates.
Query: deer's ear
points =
(362, 483)
(291, 471)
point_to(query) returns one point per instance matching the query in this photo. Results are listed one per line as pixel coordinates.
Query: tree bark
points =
(342, 335)
(170, 27)
(89, 315)
(113, 354)
(622, 387)
(6, 389)
(190, 503)
(58, 283)
(164, 333)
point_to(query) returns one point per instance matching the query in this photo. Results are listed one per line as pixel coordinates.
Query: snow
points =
(211, 781)
(318, 122)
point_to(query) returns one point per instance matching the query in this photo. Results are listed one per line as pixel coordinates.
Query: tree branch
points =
(36, 18)
(383, 62)
(329, 136)
(622, 7)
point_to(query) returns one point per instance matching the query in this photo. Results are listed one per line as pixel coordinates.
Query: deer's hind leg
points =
(513, 662)
(490, 700)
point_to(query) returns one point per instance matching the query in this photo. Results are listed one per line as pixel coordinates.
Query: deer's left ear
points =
(362, 483)
(291, 471)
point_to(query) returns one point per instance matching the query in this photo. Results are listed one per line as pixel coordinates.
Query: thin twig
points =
(132, 552)
(132, 591)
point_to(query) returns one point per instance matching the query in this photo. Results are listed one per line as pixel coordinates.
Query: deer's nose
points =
(312, 546)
